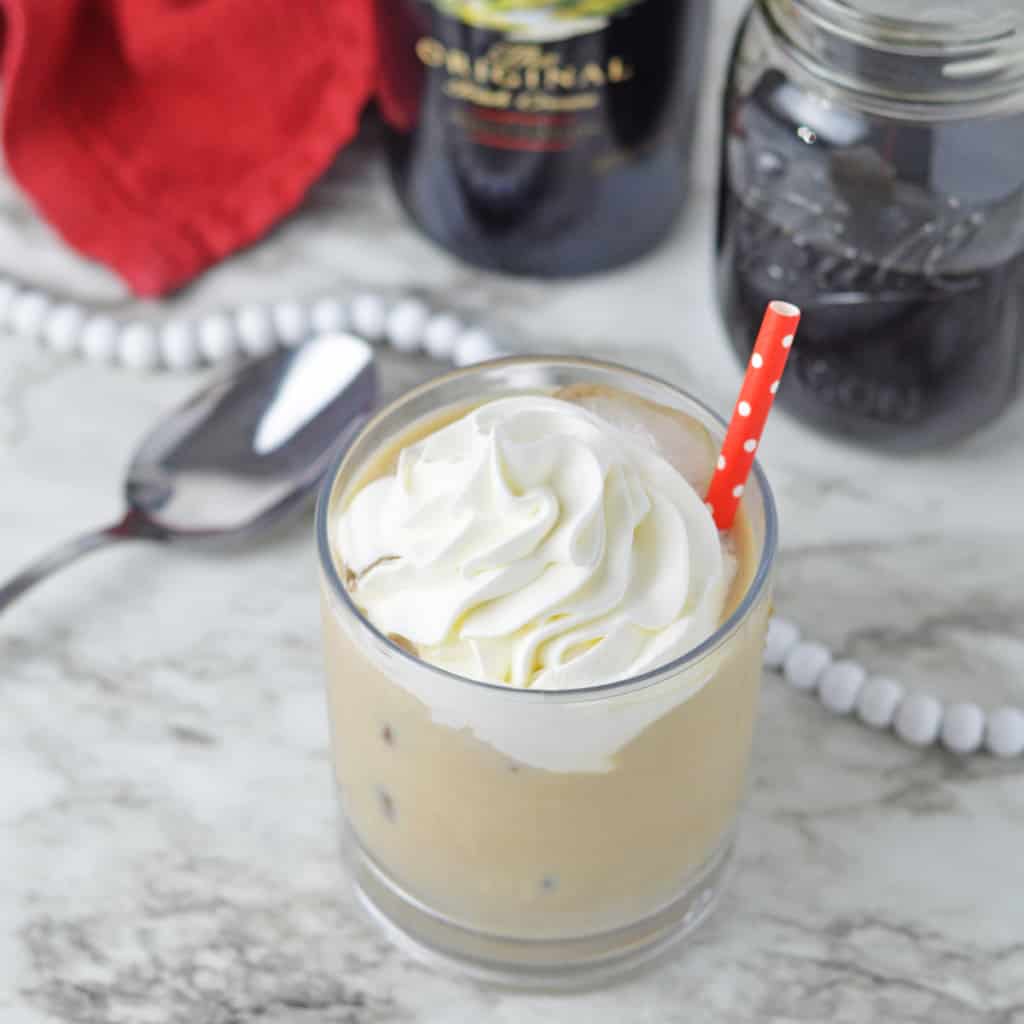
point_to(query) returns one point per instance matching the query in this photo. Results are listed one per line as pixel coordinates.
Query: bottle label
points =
(524, 21)
(525, 76)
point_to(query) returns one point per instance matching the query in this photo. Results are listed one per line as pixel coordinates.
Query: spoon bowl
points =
(241, 455)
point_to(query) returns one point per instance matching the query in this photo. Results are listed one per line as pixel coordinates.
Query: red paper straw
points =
(764, 372)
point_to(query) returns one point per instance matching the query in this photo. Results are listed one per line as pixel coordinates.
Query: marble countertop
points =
(167, 837)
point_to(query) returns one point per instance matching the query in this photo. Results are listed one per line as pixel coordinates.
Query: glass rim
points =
(707, 647)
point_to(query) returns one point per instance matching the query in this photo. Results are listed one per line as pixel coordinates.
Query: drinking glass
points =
(541, 838)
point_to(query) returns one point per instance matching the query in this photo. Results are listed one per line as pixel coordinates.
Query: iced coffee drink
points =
(543, 665)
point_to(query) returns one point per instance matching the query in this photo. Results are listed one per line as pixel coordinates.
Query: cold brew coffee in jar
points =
(873, 172)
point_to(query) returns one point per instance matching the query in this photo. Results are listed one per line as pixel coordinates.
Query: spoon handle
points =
(65, 555)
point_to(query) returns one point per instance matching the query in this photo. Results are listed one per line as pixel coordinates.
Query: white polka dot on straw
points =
(757, 361)
(743, 408)
(750, 445)
(787, 341)
(721, 462)
(774, 388)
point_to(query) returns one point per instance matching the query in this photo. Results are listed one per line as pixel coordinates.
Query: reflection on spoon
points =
(310, 387)
(241, 455)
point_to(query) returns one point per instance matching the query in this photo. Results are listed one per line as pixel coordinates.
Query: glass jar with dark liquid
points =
(873, 173)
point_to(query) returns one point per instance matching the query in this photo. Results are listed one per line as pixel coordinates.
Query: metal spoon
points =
(240, 456)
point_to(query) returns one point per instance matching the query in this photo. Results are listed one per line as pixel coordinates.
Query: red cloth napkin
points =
(158, 136)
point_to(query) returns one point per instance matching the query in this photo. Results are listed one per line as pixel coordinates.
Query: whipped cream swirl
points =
(535, 544)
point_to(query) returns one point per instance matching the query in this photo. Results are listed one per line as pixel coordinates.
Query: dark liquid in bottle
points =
(912, 293)
(550, 156)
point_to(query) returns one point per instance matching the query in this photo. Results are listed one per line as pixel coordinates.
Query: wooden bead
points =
(137, 346)
(1004, 732)
(805, 664)
(369, 315)
(99, 339)
(179, 345)
(27, 313)
(8, 290)
(441, 334)
(218, 341)
(918, 720)
(62, 329)
(963, 728)
(878, 702)
(291, 321)
(406, 324)
(475, 346)
(840, 686)
(782, 637)
(257, 335)
(328, 315)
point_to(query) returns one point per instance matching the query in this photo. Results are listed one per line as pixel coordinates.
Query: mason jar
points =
(873, 173)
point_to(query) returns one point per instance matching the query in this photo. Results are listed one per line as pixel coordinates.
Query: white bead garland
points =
(840, 686)
(251, 330)
(878, 701)
(179, 345)
(475, 346)
(805, 664)
(328, 315)
(1004, 734)
(27, 313)
(62, 329)
(138, 347)
(919, 720)
(782, 637)
(291, 321)
(963, 728)
(843, 686)
(218, 341)
(405, 325)
(441, 333)
(99, 339)
(7, 292)
(256, 333)
(369, 315)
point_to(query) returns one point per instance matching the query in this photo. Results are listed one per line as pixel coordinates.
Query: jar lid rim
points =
(960, 26)
(969, 60)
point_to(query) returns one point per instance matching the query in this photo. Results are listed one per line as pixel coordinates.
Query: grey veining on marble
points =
(167, 841)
